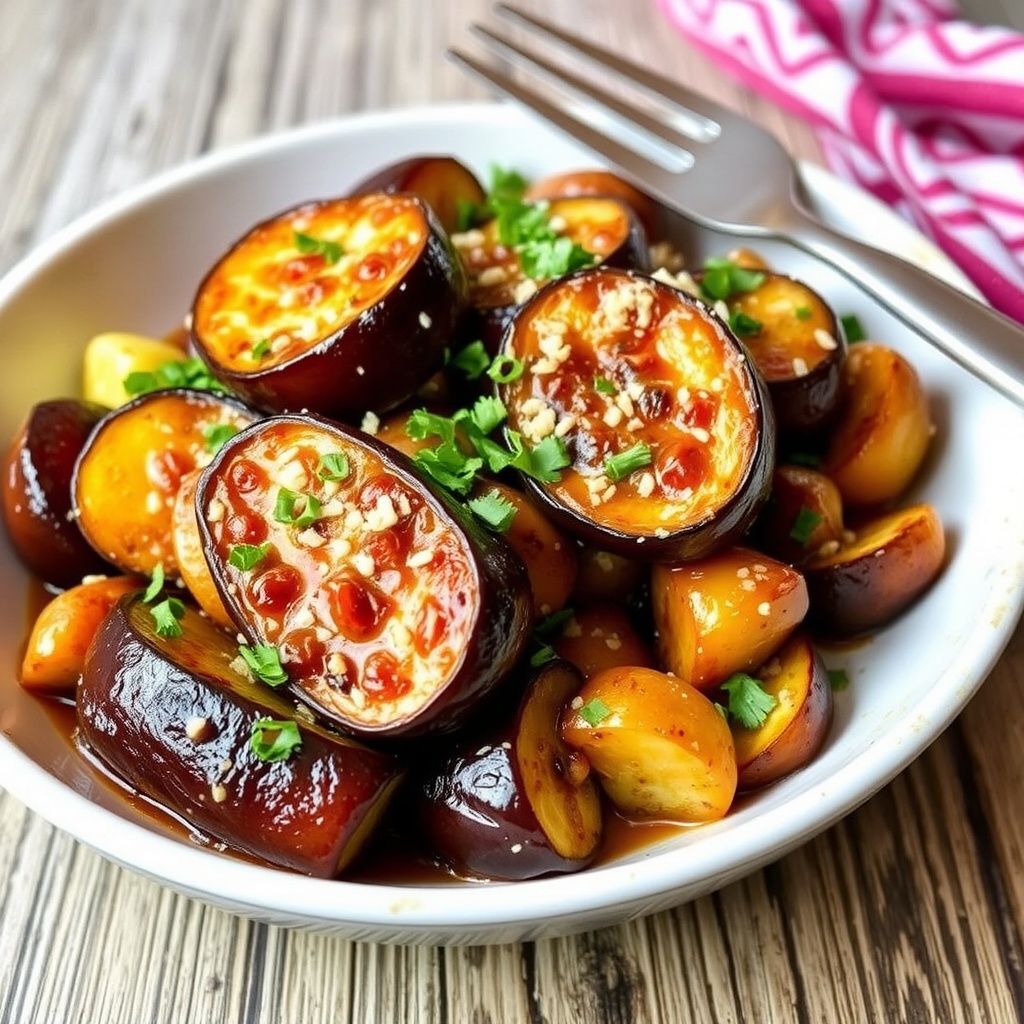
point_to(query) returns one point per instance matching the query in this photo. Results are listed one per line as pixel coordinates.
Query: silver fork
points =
(725, 172)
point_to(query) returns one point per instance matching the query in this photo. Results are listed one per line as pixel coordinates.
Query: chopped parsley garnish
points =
(722, 278)
(265, 663)
(618, 467)
(497, 512)
(333, 466)
(744, 325)
(215, 434)
(260, 350)
(852, 328)
(247, 556)
(542, 656)
(804, 525)
(546, 258)
(505, 369)
(802, 312)
(595, 711)
(547, 458)
(274, 739)
(296, 509)
(472, 360)
(749, 702)
(310, 246)
(603, 386)
(178, 373)
(166, 614)
(838, 679)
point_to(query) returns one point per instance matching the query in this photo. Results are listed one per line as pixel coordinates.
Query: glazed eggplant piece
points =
(128, 473)
(796, 340)
(37, 491)
(520, 803)
(447, 186)
(503, 273)
(175, 719)
(667, 428)
(336, 307)
(391, 610)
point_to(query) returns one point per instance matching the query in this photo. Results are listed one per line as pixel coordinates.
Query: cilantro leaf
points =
(265, 662)
(274, 739)
(472, 360)
(749, 702)
(494, 509)
(310, 246)
(166, 614)
(804, 525)
(247, 556)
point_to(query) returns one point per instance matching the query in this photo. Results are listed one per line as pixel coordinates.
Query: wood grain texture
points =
(911, 909)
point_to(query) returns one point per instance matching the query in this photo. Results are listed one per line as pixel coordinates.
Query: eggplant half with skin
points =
(390, 610)
(337, 307)
(128, 474)
(503, 273)
(175, 719)
(517, 802)
(667, 430)
(37, 491)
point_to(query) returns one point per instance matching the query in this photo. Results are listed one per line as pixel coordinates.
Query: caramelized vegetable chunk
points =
(337, 307)
(128, 474)
(666, 424)
(37, 491)
(867, 581)
(446, 185)
(389, 609)
(519, 803)
(724, 614)
(596, 182)
(661, 749)
(504, 272)
(177, 720)
(804, 515)
(795, 339)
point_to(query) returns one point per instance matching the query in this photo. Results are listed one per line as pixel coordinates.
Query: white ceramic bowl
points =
(134, 264)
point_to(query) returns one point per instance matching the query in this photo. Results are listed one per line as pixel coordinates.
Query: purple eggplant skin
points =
(37, 499)
(444, 183)
(371, 363)
(173, 718)
(491, 599)
(514, 802)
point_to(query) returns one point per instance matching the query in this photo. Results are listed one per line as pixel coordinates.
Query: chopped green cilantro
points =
(487, 414)
(802, 312)
(595, 711)
(177, 373)
(722, 278)
(619, 466)
(542, 655)
(838, 679)
(333, 466)
(265, 663)
(852, 328)
(215, 434)
(804, 525)
(744, 325)
(156, 584)
(310, 246)
(166, 614)
(506, 183)
(749, 702)
(547, 458)
(497, 512)
(553, 623)
(547, 258)
(260, 350)
(603, 386)
(247, 556)
(296, 509)
(472, 360)
(505, 369)
(274, 739)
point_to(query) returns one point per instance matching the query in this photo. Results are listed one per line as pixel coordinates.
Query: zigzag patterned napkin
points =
(922, 109)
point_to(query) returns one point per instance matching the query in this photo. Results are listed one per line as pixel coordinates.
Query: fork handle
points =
(983, 341)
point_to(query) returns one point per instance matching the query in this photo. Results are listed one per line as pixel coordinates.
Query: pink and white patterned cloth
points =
(922, 109)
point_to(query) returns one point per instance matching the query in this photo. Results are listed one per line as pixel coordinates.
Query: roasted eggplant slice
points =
(519, 803)
(337, 307)
(176, 719)
(796, 341)
(504, 272)
(128, 473)
(390, 610)
(447, 186)
(37, 491)
(597, 182)
(667, 427)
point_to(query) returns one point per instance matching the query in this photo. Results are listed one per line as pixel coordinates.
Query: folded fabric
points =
(922, 109)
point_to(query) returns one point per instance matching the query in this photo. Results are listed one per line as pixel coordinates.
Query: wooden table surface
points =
(911, 909)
